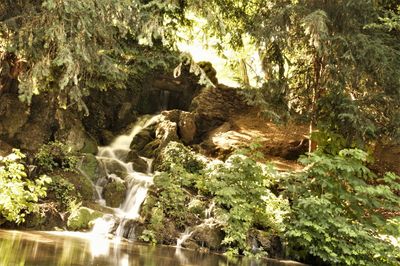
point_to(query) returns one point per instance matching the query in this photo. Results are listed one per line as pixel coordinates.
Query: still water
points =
(67, 248)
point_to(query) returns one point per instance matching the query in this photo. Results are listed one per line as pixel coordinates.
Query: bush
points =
(64, 192)
(19, 194)
(338, 208)
(55, 155)
(177, 154)
(240, 187)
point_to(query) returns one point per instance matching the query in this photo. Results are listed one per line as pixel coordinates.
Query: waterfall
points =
(184, 236)
(164, 99)
(137, 182)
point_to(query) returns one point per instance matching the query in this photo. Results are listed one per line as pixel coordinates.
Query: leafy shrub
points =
(337, 213)
(180, 171)
(19, 194)
(177, 154)
(56, 155)
(240, 189)
(64, 192)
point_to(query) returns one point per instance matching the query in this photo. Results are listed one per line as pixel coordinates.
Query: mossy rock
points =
(82, 218)
(151, 149)
(82, 183)
(114, 193)
(90, 167)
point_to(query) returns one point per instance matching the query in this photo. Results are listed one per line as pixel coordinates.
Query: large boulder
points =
(166, 132)
(141, 139)
(214, 106)
(114, 167)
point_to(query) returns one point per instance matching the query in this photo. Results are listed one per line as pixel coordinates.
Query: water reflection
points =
(66, 248)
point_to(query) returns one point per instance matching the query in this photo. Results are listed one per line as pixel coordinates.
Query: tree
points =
(323, 58)
(68, 47)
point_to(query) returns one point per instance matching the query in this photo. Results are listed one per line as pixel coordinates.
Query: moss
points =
(83, 185)
(82, 218)
(90, 145)
(114, 193)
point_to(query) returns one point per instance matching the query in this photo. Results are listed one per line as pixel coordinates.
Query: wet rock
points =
(191, 244)
(168, 233)
(114, 193)
(126, 114)
(142, 139)
(106, 137)
(151, 149)
(138, 164)
(82, 218)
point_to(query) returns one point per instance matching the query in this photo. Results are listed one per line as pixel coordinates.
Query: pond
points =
(72, 248)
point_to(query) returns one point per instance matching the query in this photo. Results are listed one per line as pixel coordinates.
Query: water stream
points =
(137, 183)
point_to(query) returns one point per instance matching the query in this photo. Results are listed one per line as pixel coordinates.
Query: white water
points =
(209, 221)
(137, 183)
(185, 236)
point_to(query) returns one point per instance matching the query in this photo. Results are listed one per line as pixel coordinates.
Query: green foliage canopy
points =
(69, 47)
(341, 58)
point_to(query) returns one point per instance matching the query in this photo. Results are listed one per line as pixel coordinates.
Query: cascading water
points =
(137, 182)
